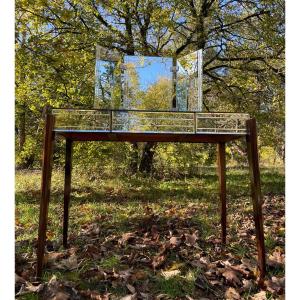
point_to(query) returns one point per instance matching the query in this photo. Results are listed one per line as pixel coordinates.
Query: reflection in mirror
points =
(105, 82)
(108, 89)
(147, 82)
(189, 82)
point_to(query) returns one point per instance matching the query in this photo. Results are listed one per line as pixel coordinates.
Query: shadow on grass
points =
(152, 190)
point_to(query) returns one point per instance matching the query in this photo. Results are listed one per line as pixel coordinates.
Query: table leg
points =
(45, 195)
(222, 187)
(67, 190)
(256, 195)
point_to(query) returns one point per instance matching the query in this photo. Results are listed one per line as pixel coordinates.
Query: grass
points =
(124, 204)
(176, 286)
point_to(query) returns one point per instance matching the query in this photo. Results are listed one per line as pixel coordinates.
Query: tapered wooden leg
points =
(67, 190)
(256, 195)
(222, 187)
(45, 195)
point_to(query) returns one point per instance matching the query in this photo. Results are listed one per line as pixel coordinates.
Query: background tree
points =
(55, 54)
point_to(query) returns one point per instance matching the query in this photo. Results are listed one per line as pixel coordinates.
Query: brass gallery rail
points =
(144, 121)
(143, 126)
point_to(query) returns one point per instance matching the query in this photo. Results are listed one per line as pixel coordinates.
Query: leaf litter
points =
(168, 245)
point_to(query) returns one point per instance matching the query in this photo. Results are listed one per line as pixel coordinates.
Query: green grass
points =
(29, 296)
(176, 286)
(110, 262)
(126, 204)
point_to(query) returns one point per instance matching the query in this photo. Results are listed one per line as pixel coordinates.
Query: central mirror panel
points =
(148, 82)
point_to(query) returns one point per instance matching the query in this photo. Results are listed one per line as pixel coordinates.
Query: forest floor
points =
(150, 238)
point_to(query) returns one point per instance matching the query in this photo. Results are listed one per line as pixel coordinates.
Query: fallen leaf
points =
(250, 264)
(232, 294)
(175, 241)
(231, 277)
(190, 239)
(56, 290)
(161, 296)
(52, 257)
(60, 296)
(92, 251)
(260, 296)
(91, 229)
(201, 282)
(275, 285)
(198, 264)
(145, 296)
(125, 274)
(126, 237)
(139, 275)
(23, 286)
(248, 285)
(154, 232)
(277, 258)
(158, 261)
(131, 288)
(19, 279)
(93, 295)
(70, 263)
(169, 274)
(129, 297)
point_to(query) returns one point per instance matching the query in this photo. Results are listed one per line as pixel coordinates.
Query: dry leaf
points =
(158, 261)
(25, 286)
(93, 295)
(60, 296)
(275, 285)
(201, 282)
(232, 294)
(260, 296)
(52, 257)
(175, 241)
(161, 296)
(198, 264)
(19, 279)
(154, 232)
(131, 288)
(277, 258)
(145, 296)
(250, 264)
(248, 285)
(55, 290)
(92, 251)
(129, 297)
(190, 239)
(232, 277)
(169, 274)
(91, 229)
(139, 275)
(70, 263)
(126, 237)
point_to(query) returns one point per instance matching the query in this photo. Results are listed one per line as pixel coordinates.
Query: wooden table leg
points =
(45, 195)
(256, 195)
(67, 190)
(222, 187)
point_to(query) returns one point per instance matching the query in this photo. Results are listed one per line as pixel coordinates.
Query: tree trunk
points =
(146, 163)
(133, 165)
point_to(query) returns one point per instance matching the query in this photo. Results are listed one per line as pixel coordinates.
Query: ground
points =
(150, 238)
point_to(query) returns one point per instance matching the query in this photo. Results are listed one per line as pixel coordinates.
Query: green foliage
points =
(176, 286)
(243, 64)
(26, 156)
